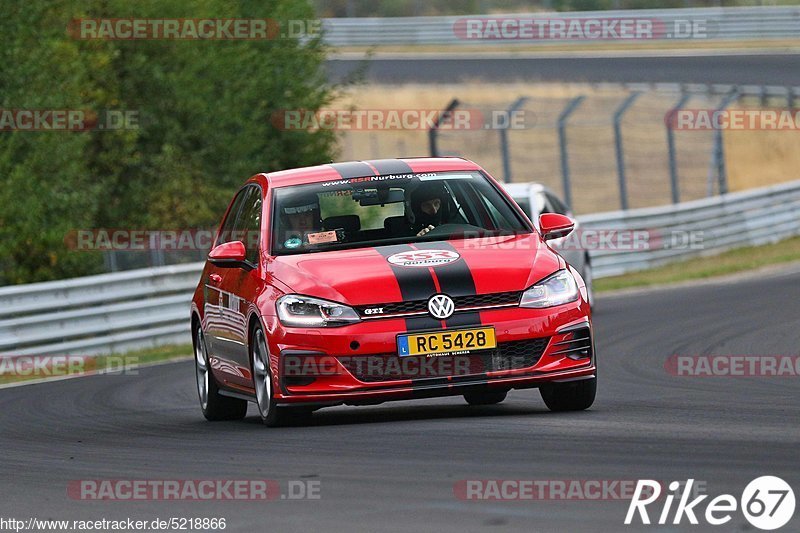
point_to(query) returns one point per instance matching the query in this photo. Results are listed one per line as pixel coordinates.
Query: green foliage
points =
(203, 108)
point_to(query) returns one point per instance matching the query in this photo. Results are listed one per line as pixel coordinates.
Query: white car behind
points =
(536, 199)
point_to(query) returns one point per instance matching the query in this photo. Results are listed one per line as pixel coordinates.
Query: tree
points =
(203, 109)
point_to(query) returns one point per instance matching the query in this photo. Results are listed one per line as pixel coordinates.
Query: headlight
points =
(307, 312)
(560, 288)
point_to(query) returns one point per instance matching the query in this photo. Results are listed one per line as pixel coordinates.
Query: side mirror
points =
(555, 226)
(229, 254)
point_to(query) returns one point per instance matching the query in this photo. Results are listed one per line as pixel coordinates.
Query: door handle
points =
(215, 279)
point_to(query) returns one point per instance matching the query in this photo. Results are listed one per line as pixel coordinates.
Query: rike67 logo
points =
(767, 503)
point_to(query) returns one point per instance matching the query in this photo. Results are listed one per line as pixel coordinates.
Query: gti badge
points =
(441, 306)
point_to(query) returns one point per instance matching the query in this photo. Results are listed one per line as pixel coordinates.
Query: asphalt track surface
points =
(393, 467)
(743, 69)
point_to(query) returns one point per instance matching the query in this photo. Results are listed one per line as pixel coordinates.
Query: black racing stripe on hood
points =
(391, 166)
(415, 284)
(455, 280)
(353, 169)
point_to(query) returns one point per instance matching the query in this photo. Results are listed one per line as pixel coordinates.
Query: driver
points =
(428, 207)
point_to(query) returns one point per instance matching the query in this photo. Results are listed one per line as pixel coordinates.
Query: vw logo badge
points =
(441, 306)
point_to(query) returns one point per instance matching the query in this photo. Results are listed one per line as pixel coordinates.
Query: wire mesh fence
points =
(620, 147)
(603, 147)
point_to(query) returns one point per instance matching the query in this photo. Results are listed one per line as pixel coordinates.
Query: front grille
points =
(461, 302)
(388, 367)
(397, 308)
(516, 354)
(480, 300)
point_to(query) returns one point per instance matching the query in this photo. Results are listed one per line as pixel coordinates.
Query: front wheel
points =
(272, 415)
(570, 396)
(214, 405)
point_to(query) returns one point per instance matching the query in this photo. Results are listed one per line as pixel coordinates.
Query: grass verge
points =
(30, 368)
(731, 262)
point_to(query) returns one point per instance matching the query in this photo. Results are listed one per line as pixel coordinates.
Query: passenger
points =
(300, 215)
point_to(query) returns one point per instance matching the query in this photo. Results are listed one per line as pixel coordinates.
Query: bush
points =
(203, 108)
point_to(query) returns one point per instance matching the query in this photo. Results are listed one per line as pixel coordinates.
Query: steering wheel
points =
(450, 229)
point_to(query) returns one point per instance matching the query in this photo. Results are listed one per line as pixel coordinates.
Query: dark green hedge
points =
(204, 110)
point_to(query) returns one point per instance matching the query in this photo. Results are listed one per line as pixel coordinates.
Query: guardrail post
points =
(673, 163)
(623, 188)
(504, 137)
(719, 149)
(562, 142)
(432, 133)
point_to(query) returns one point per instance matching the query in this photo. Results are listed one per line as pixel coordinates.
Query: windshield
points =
(389, 209)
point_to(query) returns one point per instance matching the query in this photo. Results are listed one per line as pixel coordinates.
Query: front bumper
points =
(358, 364)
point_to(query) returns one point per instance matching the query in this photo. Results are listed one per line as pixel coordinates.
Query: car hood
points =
(386, 274)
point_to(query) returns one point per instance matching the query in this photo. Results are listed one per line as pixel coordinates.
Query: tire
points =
(213, 404)
(485, 397)
(272, 415)
(570, 396)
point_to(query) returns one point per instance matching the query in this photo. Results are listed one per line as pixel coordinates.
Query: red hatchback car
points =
(363, 282)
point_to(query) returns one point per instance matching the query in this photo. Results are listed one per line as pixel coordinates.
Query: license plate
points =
(443, 342)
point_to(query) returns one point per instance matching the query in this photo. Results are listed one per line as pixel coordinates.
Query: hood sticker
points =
(423, 258)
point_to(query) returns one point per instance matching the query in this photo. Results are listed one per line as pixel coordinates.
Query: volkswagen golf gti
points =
(362, 282)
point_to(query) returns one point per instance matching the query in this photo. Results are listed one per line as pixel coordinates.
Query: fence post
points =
(504, 138)
(435, 127)
(156, 250)
(110, 260)
(623, 188)
(562, 142)
(719, 149)
(673, 164)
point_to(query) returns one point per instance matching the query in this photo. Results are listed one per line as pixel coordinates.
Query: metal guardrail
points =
(98, 314)
(733, 220)
(737, 23)
(143, 308)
